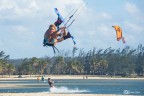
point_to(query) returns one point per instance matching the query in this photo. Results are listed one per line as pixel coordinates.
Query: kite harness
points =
(46, 44)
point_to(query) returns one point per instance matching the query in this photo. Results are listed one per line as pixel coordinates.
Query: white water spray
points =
(66, 90)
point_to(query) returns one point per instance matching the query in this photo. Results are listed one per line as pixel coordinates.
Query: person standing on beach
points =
(51, 83)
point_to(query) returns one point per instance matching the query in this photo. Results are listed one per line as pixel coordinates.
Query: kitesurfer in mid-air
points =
(52, 36)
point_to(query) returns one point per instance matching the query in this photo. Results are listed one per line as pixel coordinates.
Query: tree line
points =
(112, 62)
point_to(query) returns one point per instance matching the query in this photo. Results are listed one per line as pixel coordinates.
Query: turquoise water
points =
(82, 86)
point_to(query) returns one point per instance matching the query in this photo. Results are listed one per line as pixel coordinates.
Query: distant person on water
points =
(42, 78)
(50, 82)
(52, 35)
(38, 78)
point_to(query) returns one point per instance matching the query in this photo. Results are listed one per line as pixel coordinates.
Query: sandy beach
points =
(14, 77)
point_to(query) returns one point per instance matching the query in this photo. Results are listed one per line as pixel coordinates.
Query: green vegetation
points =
(113, 62)
(5, 67)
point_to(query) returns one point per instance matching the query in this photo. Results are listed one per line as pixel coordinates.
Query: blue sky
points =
(24, 22)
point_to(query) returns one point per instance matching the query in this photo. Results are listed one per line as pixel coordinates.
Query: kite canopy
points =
(119, 33)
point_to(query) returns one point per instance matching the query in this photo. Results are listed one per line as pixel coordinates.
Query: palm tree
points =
(102, 66)
(93, 66)
(1, 67)
(10, 68)
(58, 65)
(140, 61)
(34, 63)
(77, 67)
(3, 62)
(42, 65)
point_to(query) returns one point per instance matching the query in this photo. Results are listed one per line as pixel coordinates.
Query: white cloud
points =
(133, 33)
(5, 4)
(25, 21)
(17, 9)
(131, 8)
(105, 30)
(97, 15)
(30, 9)
(23, 33)
(134, 27)
(105, 15)
(134, 10)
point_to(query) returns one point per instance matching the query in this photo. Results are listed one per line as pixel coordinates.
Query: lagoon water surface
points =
(74, 86)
